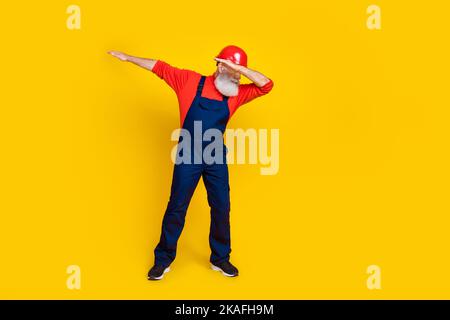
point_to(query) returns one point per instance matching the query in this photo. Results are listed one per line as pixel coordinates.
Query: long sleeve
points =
(176, 78)
(248, 92)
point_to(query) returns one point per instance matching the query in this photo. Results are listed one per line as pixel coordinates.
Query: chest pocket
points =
(212, 105)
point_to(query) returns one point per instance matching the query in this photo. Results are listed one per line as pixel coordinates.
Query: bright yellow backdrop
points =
(363, 118)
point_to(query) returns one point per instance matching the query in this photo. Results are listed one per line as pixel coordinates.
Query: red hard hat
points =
(234, 54)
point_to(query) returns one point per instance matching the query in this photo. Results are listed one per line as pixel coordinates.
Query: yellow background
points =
(363, 118)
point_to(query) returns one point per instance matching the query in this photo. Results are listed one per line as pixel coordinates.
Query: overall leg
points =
(184, 181)
(216, 181)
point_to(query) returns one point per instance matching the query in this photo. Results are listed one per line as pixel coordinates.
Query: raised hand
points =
(120, 55)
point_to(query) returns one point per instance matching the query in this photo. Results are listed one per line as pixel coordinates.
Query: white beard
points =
(226, 85)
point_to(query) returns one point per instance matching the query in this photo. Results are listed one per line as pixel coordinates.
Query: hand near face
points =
(231, 66)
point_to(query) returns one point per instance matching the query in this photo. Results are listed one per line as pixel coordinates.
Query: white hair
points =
(226, 85)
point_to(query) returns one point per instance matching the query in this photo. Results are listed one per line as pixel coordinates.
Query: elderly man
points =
(209, 101)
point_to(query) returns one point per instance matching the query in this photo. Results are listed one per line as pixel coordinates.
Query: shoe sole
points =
(215, 268)
(161, 276)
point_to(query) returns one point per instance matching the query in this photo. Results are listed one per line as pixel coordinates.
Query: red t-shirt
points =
(184, 83)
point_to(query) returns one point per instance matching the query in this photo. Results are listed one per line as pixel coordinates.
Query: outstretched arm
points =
(256, 77)
(141, 62)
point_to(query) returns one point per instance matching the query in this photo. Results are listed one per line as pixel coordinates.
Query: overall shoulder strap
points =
(200, 86)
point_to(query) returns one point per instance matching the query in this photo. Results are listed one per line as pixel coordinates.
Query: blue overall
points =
(212, 114)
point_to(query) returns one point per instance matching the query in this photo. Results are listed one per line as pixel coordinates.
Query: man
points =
(205, 102)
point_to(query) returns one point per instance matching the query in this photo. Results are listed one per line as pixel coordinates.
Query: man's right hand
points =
(141, 62)
(120, 55)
